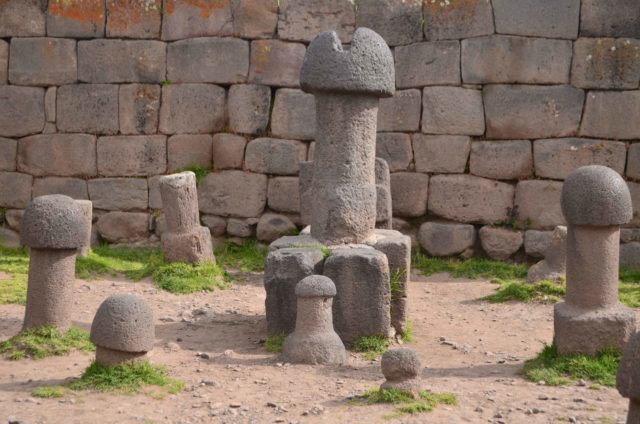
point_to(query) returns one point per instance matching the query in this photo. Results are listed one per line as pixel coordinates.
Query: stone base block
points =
(314, 349)
(410, 385)
(111, 357)
(588, 331)
(188, 247)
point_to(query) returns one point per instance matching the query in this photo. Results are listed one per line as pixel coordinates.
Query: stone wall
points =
(497, 102)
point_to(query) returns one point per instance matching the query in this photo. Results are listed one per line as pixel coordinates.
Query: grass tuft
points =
(15, 263)
(199, 171)
(406, 403)
(544, 291)
(49, 392)
(181, 278)
(274, 344)
(468, 268)
(407, 335)
(371, 346)
(45, 341)
(246, 257)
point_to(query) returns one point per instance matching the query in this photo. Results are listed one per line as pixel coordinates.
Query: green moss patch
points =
(50, 392)
(274, 344)
(246, 257)
(405, 402)
(45, 341)
(471, 268)
(543, 291)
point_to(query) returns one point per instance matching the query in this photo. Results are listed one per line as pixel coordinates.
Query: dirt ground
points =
(470, 348)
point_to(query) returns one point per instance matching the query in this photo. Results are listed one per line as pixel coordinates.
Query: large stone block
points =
(43, 61)
(441, 153)
(187, 18)
(501, 160)
(8, 154)
(113, 194)
(400, 112)
(90, 108)
(155, 198)
(134, 18)
(614, 18)
(272, 226)
(216, 224)
(606, 63)
(248, 108)
(4, 61)
(233, 193)
(634, 189)
(132, 156)
(630, 255)
(633, 161)
(275, 156)
(538, 18)
(22, 18)
(15, 190)
(275, 62)
(537, 242)
(538, 204)
(457, 19)
(75, 188)
(612, 114)
(452, 110)
(255, 18)
(111, 61)
(402, 22)
(294, 115)
(508, 59)
(189, 150)
(138, 108)
(77, 18)
(64, 155)
(421, 64)
(500, 243)
(525, 111)
(123, 227)
(409, 192)
(217, 60)
(446, 239)
(192, 109)
(228, 151)
(395, 148)
(302, 20)
(21, 110)
(466, 198)
(556, 158)
(283, 194)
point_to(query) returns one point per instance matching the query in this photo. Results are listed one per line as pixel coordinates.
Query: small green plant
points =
(407, 335)
(45, 341)
(543, 291)
(274, 344)
(48, 392)
(371, 346)
(395, 286)
(199, 171)
(405, 402)
(246, 257)
(166, 82)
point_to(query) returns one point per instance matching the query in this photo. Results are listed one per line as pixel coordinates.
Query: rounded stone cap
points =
(596, 195)
(124, 322)
(365, 68)
(400, 364)
(316, 286)
(628, 377)
(53, 222)
(178, 180)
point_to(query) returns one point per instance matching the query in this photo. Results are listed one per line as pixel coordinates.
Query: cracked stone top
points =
(596, 195)
(316, 286)
(53, 222)
(365, 68)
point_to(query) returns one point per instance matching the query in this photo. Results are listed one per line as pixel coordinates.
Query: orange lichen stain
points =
(206, 7)
(123, 13)
(447, 6)
(87, 11)
(262, 53)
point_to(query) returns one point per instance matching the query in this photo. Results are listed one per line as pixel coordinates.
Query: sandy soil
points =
(470, 348)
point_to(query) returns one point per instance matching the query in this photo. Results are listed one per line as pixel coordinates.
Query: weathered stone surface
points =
(248, 108)
(21, 110)
(633, 160)
(273, 226)
(612, 114)
(138, 106)
(628, 235)
(192, 109)
(537, 242)
(189, 150)
(507, 59)
(134, 18)
(50, 104)
(630, 254)
(409, 193)
(123, 227)
(395, 149)
(435, 63)
(109, 61)
(446, 239)
(255, 18)
(235, 193)
(8, 153)
(114, 194)
(556, 158)
(275, 156)
(64, 155)
(402, 23)
(627, 376)
(401, 368)
(75, 188)
(186, 18)
(452, 110)
(53, 222)
(400, 112)
(43, 61)
(15, 189)
(383, 194)
(228, 151)
(216, 224)
(76, 19)
(305, 184)
(22, 18)
(9, 238)
(606, 63)
(466, 198)
(13, 217)
(616, 18)
(132, 156)
(553, 266)
(538, 18)
(216, 60)
(441, 153)
(302, 20)
(4, 61)
(532, 111)
(501, 160)
(283, 194)
(538, 204)
(275, 62)
(155, 199)
(457, 19)
(500, 243)
(90, 108)
(240, 228)
(293, 115)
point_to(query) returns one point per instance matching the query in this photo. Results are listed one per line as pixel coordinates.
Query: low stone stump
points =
(87, 212)
(628, 378)
(554, 264)
(401, 368)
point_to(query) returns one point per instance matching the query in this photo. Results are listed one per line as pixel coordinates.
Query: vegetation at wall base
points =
(544, 291)
(407, 335)
(405, 402)
(274, 344)
(45, 341)
(472, 268)
(14, 263)
(371, 346)
(248, 256)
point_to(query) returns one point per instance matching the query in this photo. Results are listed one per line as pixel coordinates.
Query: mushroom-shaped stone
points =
(53, 222)
(365, 68)
(123, 329)
(401, 368)
(628, 378)
(316, 286)
(596, 195)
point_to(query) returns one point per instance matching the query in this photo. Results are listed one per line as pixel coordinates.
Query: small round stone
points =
(400, 364)
(53, 222)
(316, 286)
